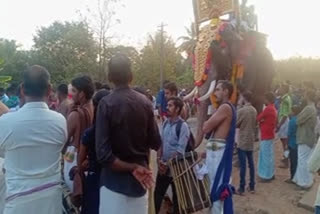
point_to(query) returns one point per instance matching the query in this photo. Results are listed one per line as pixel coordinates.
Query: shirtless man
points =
(64, 102)
(80, 118)
(222, 123)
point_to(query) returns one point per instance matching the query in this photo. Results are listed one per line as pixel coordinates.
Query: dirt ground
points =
(276, 197)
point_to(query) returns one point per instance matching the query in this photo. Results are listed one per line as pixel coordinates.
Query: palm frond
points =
(4, 79)
(186, 38)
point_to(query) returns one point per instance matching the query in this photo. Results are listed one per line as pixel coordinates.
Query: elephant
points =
(239, 56)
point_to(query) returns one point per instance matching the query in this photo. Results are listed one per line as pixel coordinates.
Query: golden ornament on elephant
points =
(208, 9)
(206, 36)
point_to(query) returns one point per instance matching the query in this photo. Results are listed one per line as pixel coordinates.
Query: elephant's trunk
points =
(202, 115)
(202, 109)
(209, 92)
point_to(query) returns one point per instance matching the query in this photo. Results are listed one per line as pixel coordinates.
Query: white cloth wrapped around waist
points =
(215, 144)
(212, 145)
(200, 171)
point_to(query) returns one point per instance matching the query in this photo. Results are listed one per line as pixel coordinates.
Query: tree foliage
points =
(12, 60)
(185, 78)
(71, 48)
(298, 69)
(189, 41)
(148, 72)
(66, 49)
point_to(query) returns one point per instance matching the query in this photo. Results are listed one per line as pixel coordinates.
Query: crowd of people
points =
(85, 148)
(292, 115)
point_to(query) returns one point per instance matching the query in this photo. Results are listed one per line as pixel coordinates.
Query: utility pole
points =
(161, 54)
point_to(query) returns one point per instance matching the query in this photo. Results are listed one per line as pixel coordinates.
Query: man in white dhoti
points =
(314, 166)
(306, 139)
(125, 133)
(220, 149)
(32, 139)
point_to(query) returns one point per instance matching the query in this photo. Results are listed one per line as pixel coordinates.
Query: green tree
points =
(189, 41)
(66, 49)
(185, 79)
(297, 70)
(12, 60)
(130, 52)
(185, 75)
(4, 81)
(148, 73)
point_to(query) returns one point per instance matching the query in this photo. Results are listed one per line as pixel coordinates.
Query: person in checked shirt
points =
(246, 122)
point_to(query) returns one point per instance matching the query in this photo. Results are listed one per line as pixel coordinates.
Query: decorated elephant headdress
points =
(229, 48)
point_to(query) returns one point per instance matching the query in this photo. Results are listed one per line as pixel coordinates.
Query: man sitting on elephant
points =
(219, 149)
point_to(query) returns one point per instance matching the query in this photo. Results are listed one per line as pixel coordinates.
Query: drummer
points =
(219, 149)
(175, 136)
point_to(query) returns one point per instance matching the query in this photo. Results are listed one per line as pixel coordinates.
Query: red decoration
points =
(224, 195)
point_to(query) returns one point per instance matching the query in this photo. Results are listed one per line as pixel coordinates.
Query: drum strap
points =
(224, 191)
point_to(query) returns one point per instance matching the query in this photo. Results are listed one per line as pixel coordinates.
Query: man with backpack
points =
(176, 140)
(171, 90)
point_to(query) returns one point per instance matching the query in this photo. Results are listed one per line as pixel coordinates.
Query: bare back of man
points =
(74, 124)
(65, 107)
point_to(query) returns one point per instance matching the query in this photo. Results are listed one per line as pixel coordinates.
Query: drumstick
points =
(185, 171)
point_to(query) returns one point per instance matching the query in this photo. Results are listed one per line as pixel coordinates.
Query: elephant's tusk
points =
(190, 95)
(207, 95)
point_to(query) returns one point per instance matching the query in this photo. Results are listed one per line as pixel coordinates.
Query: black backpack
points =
(191, 141)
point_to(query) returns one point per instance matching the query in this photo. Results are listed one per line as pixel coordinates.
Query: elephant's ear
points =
(248, 81)
(266, 70)
(259, 71)
(221, 61)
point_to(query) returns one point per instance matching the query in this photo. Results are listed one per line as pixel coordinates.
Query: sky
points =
(291, 25)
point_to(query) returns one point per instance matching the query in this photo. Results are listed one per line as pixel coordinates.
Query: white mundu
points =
(31, 140)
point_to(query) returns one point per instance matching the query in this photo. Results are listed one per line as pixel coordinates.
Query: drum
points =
(193, 194)
(67, 206)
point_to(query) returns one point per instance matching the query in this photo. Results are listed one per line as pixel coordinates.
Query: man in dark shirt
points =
(125, 133)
